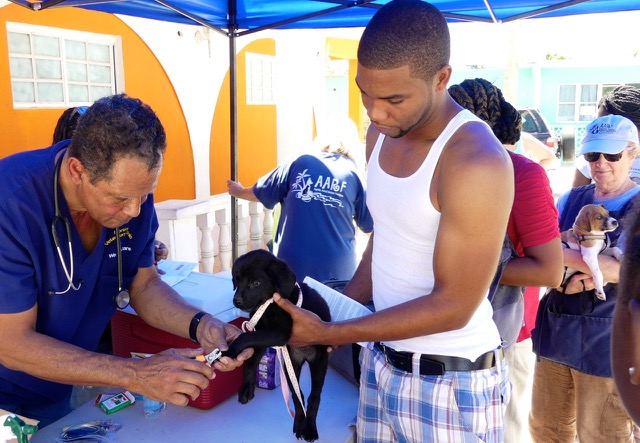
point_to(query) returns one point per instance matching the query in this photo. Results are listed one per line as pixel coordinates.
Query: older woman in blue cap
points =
(574, 393)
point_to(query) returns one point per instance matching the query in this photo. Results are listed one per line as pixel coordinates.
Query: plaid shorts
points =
(396, 406)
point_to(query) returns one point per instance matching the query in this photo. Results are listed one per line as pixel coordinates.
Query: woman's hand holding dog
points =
(577, 283)
(583, 281)
(216, 334)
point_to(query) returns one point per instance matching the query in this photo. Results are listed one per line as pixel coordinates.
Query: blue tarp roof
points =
(255, 15)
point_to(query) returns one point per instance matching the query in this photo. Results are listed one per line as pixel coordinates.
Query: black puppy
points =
(257, 275)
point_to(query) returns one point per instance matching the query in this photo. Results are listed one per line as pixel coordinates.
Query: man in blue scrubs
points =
(77, 229)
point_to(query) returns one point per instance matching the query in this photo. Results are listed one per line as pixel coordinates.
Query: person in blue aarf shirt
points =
(321, 196)
(77, 228)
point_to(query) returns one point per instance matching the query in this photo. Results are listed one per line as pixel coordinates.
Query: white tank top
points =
(405, 226)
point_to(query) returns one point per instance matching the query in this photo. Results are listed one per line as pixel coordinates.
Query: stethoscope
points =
(122, 298)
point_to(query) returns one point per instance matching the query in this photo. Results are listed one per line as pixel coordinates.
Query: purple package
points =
(268, 373)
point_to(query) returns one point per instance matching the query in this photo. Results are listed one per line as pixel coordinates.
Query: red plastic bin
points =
(131, 334)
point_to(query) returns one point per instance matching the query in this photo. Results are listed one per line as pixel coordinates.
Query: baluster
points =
(267, 226)
(223, 217)
(255, 236)
(242, 228)
(205, 224)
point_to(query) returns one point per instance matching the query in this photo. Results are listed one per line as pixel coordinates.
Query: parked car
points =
(535, 124)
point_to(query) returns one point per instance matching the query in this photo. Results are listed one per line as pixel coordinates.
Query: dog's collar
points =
(299, 302)
(586, 237)
(581, 238)
(250, 324)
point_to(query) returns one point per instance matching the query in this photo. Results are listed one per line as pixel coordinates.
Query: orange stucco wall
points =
(257, 138)
(23, 129)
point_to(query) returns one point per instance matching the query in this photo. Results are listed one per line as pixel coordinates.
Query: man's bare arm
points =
(162, 307)
(170, 378)
(360, 287)
(541, 266)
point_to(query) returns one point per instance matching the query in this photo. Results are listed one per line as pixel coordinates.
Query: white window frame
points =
(602, 89)
(578, 104)
(607, 87)
(254, 69)
(116, 61)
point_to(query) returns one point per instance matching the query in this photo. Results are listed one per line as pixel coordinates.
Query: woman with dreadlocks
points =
(625, 101)
(534, 233)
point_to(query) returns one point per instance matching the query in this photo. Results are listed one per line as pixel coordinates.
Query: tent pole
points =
(233, 123)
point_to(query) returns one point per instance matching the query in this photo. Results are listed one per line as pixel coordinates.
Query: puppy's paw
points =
(298, 425)
(601, 295)
(231, 353)
(236, 347)
(308, 435)
(246, 393)
(305, 428)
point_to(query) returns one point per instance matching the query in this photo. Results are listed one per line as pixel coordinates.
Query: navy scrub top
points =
(30, 267)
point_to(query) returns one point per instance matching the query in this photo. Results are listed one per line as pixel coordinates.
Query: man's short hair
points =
(115, 127)
(406, 32)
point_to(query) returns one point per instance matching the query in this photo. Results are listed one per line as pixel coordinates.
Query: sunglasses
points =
(595, 156)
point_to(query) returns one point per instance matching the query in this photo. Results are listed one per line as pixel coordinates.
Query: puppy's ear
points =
(282, 277)
(583, 219)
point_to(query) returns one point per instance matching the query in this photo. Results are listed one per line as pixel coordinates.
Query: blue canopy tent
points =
(239, 17)
(235, 18)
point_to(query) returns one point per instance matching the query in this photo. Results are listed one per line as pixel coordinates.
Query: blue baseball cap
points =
(610, 134)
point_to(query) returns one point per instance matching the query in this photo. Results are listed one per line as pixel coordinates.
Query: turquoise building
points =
(566, 92)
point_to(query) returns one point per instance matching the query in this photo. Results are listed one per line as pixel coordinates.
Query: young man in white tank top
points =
(440, 188)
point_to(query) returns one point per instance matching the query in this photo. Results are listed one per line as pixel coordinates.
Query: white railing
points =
(199, 231)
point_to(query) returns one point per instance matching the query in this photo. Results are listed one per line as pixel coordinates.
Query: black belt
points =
(436, 364)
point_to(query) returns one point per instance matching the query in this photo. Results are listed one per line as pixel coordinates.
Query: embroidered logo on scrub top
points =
(124, 232)
(322, 189)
